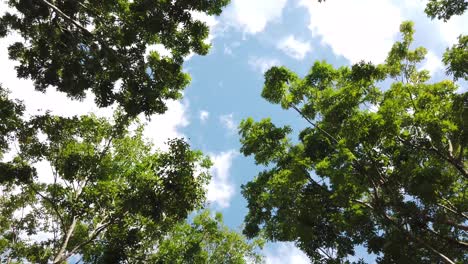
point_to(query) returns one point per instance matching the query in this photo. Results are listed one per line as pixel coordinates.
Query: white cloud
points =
(228, 122)
(262, 64)
(432, 63)
(358, 30)
(253, 16)
(451, 29)
(220, 190)
(160, 128)
(447, 31)
(227, 50)
(286, 253)
(204, 116)
(160, 49)
(294, 48)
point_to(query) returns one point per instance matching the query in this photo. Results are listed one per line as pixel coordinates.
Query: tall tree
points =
(96, 45)
(383, 168)
(108, 198)
(206, 240)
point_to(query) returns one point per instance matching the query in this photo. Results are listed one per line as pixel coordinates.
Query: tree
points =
(383, 168)
(109, 197)
(206, 240)
(445, 9)
(100, 46)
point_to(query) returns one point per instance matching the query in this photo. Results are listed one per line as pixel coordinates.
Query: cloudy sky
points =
(248, 38)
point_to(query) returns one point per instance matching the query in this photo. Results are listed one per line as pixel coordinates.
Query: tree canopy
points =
(100, 46)
(108, 196)
(206, 240)
(382, 167)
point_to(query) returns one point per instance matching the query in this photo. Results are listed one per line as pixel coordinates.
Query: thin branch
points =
(52, 204)
(325, 253)
(93, 235)
(416, 239)
(313, 124)
(453, 211)
(60, 255)
(65, 16)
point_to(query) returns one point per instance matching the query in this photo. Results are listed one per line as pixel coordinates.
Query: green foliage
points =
(109, 197)
(11, 121)
(456, 59)
(206, 240)
(92, 45)
(445, 9)
(386, 169)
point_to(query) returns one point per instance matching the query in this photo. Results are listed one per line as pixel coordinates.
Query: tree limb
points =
(60, 255)
(65, 16)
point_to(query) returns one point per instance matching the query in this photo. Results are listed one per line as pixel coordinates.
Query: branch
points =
(453, 211)
(449, 239)
(93, 235)
(65, 16)
(433, 149)
(52, 204)
(420, 241)
(60, 255)
(314, 125)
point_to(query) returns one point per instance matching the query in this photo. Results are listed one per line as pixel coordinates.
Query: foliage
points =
(206, 240)
(456, 58)
(100, 46)
(11, 121)
(383, 168)
(108, 197)
(445, 9)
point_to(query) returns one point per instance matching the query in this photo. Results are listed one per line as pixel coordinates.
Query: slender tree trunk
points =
(61, 254)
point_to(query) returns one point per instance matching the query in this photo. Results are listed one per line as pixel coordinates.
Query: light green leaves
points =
(382, 168)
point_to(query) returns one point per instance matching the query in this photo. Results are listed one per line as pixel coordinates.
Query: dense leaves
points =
(456, 59)
(100, 46)
(385, 168)
(206, 240)
(103, 193)
(445, 9)
(11, 122)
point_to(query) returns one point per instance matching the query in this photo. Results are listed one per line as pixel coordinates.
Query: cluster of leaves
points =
(83, 45)
(445, 9)
(11, 115)
(456, 59)
(386, 169)
(206, 240)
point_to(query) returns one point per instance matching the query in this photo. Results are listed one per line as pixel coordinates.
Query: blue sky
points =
(248, 38)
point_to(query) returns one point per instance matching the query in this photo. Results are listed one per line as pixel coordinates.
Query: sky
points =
(247, 39)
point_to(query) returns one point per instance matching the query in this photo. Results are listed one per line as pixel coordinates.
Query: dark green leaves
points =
(456, 59)
(445, 9)
(100, 46)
